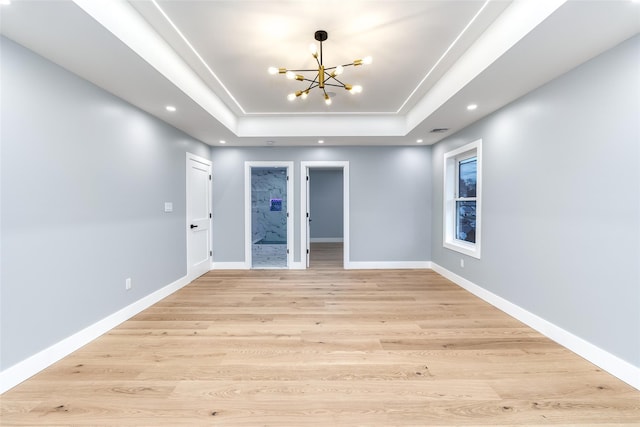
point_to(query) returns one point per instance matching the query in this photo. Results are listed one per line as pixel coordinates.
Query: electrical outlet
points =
(127, 284)
(462, 262)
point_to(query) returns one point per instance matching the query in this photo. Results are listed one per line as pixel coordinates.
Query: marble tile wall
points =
(266, 185)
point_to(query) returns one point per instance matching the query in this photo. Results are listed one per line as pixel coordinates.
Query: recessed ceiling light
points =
(320, 141)
(419, 141)
(472, 107)
(222, 141)
(170, 108)
(5, 2)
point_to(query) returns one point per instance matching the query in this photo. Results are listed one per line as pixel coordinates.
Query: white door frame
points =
(247, 208)
(191, 275)
(304, 172)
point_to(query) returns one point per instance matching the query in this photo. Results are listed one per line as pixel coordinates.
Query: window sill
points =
(472, 250)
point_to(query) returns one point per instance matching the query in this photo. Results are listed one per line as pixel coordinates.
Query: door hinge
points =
(307, 251)
(307, 214)
(210, 216)
(287, 214)
(209, 177)
(287, 251)
(307, 177)
(210, 253)
(287, 177)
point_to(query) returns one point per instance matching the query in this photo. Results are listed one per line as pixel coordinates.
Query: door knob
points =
(194, 226)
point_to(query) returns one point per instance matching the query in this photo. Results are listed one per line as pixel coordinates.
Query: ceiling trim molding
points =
(124, 22)
(446, 52)
(512, 25)
(197, 54)
(390, 125)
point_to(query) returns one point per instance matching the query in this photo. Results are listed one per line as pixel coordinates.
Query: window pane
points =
(467, 170)
(466, 221)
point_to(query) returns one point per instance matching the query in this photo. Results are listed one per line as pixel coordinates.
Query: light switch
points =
(168, 207)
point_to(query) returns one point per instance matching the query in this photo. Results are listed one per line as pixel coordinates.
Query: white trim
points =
(304, 171)
(449, 200)
(298, 266)
(388, 265)
(230, 266)
(25, 369)
(617, 367)
(247, 206)
(327, 239)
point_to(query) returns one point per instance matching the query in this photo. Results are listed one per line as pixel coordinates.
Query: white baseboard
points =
(245, 266)
(298, 266)
(599, 357)
(387, 265)
(25, 369)
(326, 240)
(230, 266)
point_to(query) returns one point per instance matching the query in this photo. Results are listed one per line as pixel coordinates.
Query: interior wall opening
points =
(325, 214)
(269, 207)
(326, 208)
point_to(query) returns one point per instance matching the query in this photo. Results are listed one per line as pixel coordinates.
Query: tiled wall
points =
(268, 185)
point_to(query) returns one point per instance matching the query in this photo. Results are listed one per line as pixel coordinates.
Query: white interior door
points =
(198, 215)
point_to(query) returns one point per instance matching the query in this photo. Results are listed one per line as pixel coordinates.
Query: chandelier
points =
(325, 76)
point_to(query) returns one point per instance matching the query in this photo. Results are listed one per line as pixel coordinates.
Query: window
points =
(462, 192)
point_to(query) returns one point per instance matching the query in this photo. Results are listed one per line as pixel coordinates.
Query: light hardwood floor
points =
(322, 347)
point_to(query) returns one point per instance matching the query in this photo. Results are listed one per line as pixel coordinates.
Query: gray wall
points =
(561, 202)
(326, 203)
(84, 178)
(389, 205)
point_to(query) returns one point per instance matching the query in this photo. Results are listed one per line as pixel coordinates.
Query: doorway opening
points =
(268, 197)
(322, 185)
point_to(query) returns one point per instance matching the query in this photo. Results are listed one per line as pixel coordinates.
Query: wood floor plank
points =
(325, 346)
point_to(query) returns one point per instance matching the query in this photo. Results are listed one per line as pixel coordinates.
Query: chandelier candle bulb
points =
(324, 76)
(275, 70)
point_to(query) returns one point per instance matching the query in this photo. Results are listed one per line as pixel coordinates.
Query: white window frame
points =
(450, 196)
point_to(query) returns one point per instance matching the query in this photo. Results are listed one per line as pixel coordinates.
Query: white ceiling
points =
(209, 58)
